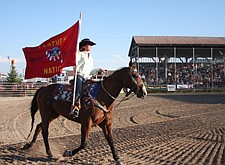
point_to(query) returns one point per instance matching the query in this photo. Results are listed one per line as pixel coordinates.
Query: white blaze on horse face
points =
(144, 90)
(142, 85)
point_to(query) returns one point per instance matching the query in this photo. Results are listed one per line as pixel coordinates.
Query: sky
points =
(111, 24)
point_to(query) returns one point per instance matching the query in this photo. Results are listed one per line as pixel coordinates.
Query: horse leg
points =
(45, 126)
(85, 132)
(106, 127)
(37, 131)
(46, 120)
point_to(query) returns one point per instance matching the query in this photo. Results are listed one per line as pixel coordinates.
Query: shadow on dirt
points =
(14, 153)
(195, 98)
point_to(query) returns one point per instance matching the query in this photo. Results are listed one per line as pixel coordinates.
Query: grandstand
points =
(180, 60)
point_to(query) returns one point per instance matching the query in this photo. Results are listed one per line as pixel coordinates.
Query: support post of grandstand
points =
(193, 62)
(221, 52)
(212, 63)
(156, 65)
(166, 69)
(138, 59)
(175, 66)
(223, 64)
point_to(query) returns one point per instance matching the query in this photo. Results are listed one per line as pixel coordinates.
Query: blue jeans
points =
(79, 86)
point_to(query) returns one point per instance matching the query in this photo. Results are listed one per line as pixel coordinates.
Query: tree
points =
(13, 75)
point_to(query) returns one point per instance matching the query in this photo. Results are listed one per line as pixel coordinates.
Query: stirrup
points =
(75, 112)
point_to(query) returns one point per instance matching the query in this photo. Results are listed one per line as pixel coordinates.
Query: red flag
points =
(49, 58)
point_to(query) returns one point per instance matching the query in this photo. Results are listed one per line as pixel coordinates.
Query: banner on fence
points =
(171, 88)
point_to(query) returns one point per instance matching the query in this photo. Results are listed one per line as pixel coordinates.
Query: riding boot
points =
(75, 109)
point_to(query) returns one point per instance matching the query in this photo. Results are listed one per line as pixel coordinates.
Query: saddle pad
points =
(93, 89)
(63, 92)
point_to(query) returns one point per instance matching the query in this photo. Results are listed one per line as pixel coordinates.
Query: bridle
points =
(127, 94)
(132, 89)
(125, 98)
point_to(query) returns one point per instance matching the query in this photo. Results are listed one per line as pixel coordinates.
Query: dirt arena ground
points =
(161, 129)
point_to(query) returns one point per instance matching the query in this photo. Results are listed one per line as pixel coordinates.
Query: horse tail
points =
(33, 109)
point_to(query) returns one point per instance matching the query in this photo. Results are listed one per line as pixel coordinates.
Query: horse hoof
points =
(68, 153)
(26, 146)
(52, 158)
(118, 162)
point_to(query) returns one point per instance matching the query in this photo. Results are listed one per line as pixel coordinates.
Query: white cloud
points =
(6, 60)
(5, 64)
(18, 60)
(118, 57)
(113, 62)
(3, 60)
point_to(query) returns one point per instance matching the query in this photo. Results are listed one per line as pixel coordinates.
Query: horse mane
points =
(116, 71)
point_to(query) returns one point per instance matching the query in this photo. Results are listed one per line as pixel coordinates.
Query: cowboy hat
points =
(86, 41)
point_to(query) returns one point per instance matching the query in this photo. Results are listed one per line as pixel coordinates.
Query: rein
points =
(123, 83)
(107, 91)
(125, 98)
(106, 111)
(97, 104)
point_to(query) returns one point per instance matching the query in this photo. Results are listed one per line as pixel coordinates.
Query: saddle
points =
(64, 92)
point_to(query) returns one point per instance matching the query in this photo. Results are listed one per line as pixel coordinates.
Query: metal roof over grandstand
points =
(182, 46)
(178, 40)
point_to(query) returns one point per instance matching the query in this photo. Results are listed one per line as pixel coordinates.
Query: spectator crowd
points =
(201, 75)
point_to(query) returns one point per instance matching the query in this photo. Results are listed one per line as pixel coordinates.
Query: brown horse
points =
(93, 112)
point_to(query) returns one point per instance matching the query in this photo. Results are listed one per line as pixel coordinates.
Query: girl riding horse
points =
(94, 111)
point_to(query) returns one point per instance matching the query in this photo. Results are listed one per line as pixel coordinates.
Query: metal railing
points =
(29, 89)
(184, 88)
(19, 89)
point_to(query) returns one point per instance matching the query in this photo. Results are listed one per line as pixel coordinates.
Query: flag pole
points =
(75, 67)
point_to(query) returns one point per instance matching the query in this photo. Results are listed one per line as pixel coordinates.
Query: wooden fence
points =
(29, 89)
(19, 89)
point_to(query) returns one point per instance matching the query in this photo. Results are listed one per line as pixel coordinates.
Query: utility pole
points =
(9, 64)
